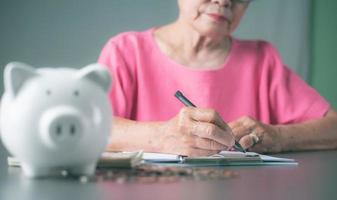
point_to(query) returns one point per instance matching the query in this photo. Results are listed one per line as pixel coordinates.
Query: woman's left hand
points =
(256, 136)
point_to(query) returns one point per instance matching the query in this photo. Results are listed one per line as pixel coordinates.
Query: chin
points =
(213, 31)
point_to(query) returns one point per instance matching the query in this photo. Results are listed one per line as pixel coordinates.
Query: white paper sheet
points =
(264, 159)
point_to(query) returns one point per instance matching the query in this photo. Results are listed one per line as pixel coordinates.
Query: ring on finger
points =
(255, 138)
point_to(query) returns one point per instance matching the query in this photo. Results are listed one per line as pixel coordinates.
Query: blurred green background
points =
(323, 73)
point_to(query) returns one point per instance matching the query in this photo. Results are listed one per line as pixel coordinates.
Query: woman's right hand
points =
(195, 132)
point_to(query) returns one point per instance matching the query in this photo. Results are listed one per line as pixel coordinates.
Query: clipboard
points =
(224, 158)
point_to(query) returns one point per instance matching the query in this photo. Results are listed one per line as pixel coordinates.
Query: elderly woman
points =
(242, 89)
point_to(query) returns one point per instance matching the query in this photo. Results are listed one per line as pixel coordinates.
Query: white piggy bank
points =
(55, 119)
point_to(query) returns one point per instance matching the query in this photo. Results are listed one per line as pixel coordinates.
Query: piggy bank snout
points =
(61, 127)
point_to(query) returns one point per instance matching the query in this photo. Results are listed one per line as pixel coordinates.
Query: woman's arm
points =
(192, 132)
(311, 135)
(129, 135)
(317, 134)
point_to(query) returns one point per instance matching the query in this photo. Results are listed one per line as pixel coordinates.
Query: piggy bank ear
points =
(96, 73)
(15, 75)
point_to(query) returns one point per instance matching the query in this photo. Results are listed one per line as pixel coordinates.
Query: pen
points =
(187, 102)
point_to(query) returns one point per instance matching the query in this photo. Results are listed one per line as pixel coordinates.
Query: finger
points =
(241, 131)
(246, 142)
(195, 152)
(208, 144)
(213, 132)
(243, 126)
(234, 124)
(242, 121)
(208, 115)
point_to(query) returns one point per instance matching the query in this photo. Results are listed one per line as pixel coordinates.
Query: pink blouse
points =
(253, 81)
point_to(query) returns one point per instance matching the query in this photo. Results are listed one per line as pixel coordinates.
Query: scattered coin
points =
(84, 179)
(64, 173)
(162, 174)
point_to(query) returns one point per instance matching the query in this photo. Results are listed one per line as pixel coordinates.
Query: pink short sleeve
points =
(292, 99)
(121, 93)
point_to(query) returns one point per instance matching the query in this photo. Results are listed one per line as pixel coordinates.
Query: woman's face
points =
(212, 17)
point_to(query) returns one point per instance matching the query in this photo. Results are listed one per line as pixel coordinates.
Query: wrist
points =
(281, 138)
(153, 134)
(130, 135)
(285, 137)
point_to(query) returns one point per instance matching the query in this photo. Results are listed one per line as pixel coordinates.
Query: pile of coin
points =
(159, 174)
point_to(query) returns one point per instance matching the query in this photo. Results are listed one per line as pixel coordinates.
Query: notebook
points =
(224, 158)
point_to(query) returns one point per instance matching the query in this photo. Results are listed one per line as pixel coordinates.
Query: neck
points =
(192, 41)
(187, 46)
